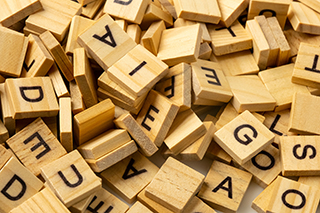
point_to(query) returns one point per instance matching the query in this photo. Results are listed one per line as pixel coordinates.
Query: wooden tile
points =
(240, 149)
(104, 143)
(104, 201)
(106, 42)
(78, 25)
(304, 19)
(289, 195)
(4, 134)
(209, 81)
(312, 4)
(93, 121)
(7, 112)
(156, 116)
(204, 102)
(153, 14)
(261, 48)
(53, 18)
(176, 85)
(128, 177)
(31, 97)
(168, 5)
(310, 180)
(91, 9)
(128, 10)
(151, 39)
(218, 194)
(38, 60)
(204, 11)
(231, 10)
(57, 81)
(75, 185)
(77, 103)
(134, 31)
(127, 122)
(14, 47)
(238, 63)
(5, 156)
(113, 157)
(15, 194)
(305, 69)
(139, 207)
(180, 45)
(151, 204)
(43, 201)
(82, 205)
(244, 99)
(15, 11)
(185, 129)
(170, 191)
(84, 2)
(278, 82)
(303, 117)
(268, 8)
(215, 152)
(65, 123)
(58, 54)
(205, 51)
(229, 40)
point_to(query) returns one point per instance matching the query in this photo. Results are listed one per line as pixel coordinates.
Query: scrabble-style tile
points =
(134, 31)
(31, 97)
(77, 103)
(168, 5)
(65, 123)
(231, 10)
(58, 83)
(91, 9)
(151, 39)
(312, 4)
(205, 51)
(215, 152)
(5, 156)
(180, 22)
(7, 112)
(128, 177)
(153, 14)
(139, 207)
(243, 137)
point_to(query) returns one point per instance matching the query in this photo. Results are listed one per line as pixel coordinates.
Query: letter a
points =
(112, 42)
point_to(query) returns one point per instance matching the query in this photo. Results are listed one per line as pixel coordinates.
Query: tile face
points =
(231, 10)
(31, 97)
(243, 137)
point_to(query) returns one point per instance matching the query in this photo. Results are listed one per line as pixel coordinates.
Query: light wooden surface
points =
(224, 187)
(31, 97)
(57, 81)
(180, 22)
(243, 137)
(5, 156)
(82, 205)
(312, 4)
(93, 121)
(127, 122)
(134, 31)
(131, 175)
(168, 190)
(139, 207)
(169, 6)
(185, 129)
(65, 123)
(180, 44)
(7, 112)
(151, 39)
(151, 204)
(27, 185)
(138, 71)
(106, 42)
(215, 152)
(231, 10)
(91, 9)
(71, 178)
(153, 14)
(77, 103)
(205, 51)
(244, 99)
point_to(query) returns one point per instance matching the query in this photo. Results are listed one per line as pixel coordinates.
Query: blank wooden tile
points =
(205, 51)
(185, 129)
(128, 177)
(244, 99)
(113, 157)
(127, 122)
(139, 207)
(277, 8)
(65, 123)
(204, 11)
(32, 97)
(151, 39)
(77, 103)
(43, 201)
(289, 195)
(104, 201)
(58, 83)
(38, 60)
(53, 18)
(278, 82)
(231, 10)
(153, 14)
(71, 186)
(106, 42)
(243, 137)
(303, 116)
(14, 47)
(169, 190)
(134, 31)
(36, 146)
(229, 40)
(93, 121)
(176, 85)
(180, 45)
(224, 187)
(209, 81)
(128, 10)
(138, 71)
(15, 194)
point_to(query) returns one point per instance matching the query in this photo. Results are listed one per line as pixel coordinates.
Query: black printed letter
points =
(80, 178)
(249, 140)
(137, 68)
(149, 116)
(95, 210)
(171, 87)
(125, 175)
(303, 199)
(41, 143)
(228, 189)
(123, 2)
(9, 184)
(274, 123)
(304, 153)
(214, 76)
(270, 166)
(314, 65)
(262, 12)
(112, 42)
(26, 67)
(229, 29)
(22, 89)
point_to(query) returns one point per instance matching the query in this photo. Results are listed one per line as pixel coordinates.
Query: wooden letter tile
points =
(243, 137)
(71, 178)
(106, 42)
(57, 81)
(138, 208)
(169, 190)
(231, 10)
(65, 123)
(224, 187)
(31, 97)
(17, 185)
(128, 177)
